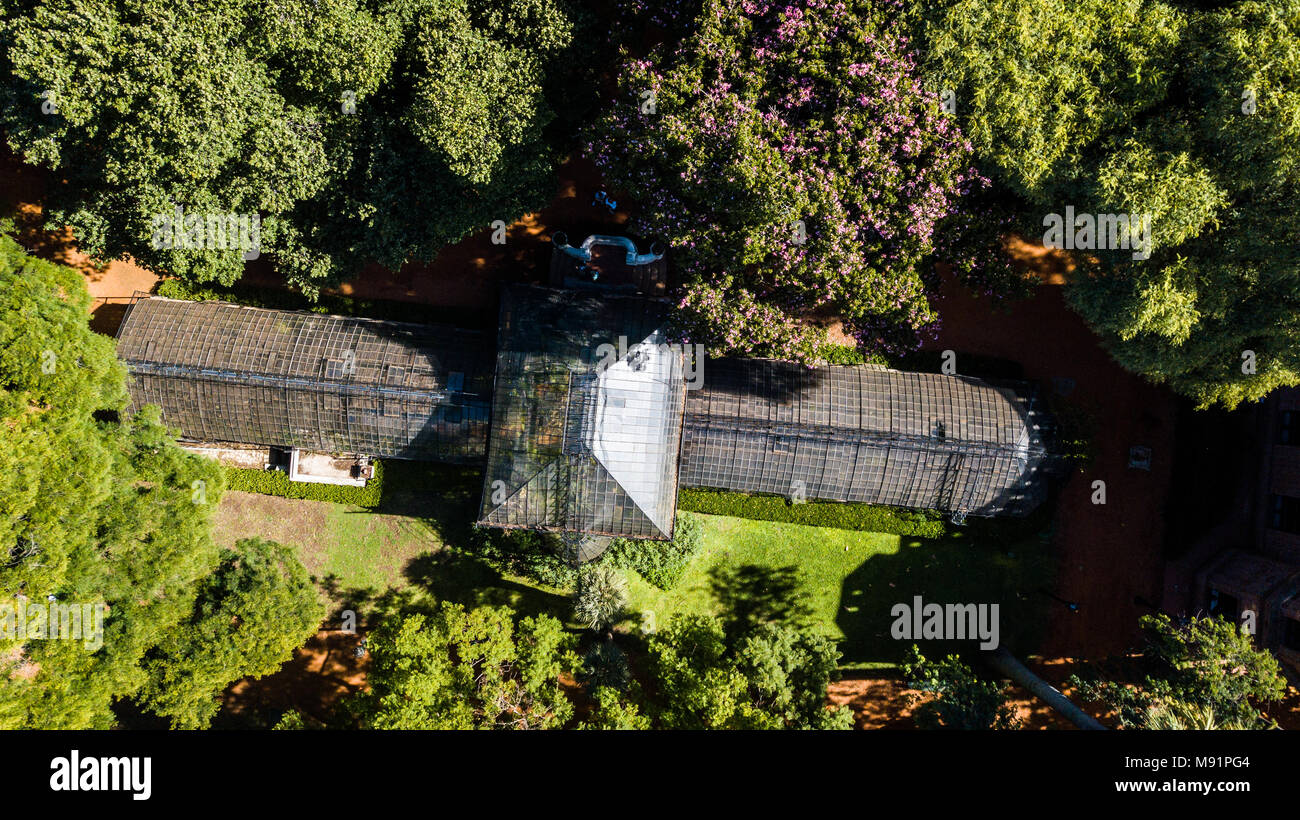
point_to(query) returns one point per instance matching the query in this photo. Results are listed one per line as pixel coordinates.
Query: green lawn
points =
(849, 581)
(416, 539)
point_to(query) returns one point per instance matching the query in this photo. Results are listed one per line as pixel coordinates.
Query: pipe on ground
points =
(1008, 665)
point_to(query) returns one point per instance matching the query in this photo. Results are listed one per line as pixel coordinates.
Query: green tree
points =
(1191, 116)
(1215, 316)
(96, 506)
(455, 668)
(1179, 716)
(613, 710)
(1201, 673)
(790, 155)
(773, 678)
(250, 615)
(605, 666)
(601, 599)
(357, 130)
(960, 700)
(1036, 83)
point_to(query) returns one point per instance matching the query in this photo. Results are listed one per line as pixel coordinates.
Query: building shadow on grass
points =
(464, 563)
(954, 570)
(443, 497)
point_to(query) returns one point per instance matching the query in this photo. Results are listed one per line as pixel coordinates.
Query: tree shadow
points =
(367, 604)
(751, 595)
(457, 576)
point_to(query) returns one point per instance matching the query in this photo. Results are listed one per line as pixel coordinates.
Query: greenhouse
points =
(867, 434)
(587, 416)
(229, 373)
(586, 425)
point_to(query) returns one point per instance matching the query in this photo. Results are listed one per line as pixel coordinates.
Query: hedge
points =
(275, 482)
(840, 515)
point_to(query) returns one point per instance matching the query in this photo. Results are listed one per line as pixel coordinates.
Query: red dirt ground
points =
(883, 702)
(469, 274)
(327, 669)
(1109, 554)
(22, 194)
(317, 677)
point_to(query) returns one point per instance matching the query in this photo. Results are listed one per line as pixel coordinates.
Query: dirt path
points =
(884, 702)
(318, 677)
(22, 196)
(469, 274)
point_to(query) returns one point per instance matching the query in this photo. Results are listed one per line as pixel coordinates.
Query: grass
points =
(842, 583)
(418, 538)
(846, 582)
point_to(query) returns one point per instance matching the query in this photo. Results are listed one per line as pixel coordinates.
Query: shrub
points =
(834, 354)
(659, 562)
(957, 698)
(840, 515)
(533, 555)
(277, 483)
(605, 665)
(601, 598)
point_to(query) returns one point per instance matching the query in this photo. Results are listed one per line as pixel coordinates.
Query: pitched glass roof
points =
(587, 416)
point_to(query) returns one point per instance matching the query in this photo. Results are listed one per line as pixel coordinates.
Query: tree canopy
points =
(1201, 673)
(98, 508)
(95, 508)
(1190, 116)
(249, 616)
(445, 666)
(791, 156)
(955, 698)
(773, 677)
(356, 131)
(458, 668)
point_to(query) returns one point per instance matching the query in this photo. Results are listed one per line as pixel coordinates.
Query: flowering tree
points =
(791, 157)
